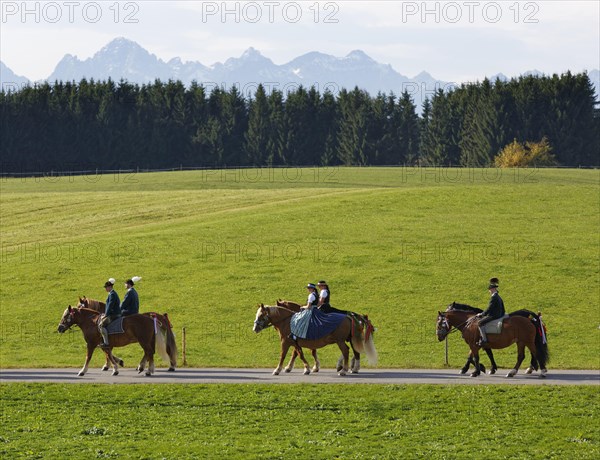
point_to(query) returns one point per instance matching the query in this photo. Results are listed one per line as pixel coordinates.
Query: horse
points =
(280, 319)
(162, 321)
(138, 328)
(517, 328)
(363, 322)
(470, 360)
(296, 308)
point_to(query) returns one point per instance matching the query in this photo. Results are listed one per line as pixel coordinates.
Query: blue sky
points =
(454, 41)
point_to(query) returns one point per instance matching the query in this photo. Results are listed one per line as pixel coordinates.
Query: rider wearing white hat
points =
(131, 301)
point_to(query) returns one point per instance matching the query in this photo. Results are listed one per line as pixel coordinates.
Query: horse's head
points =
(442, 327)
(83, 302)
(262, 320)
(67, 319)
(281, 303)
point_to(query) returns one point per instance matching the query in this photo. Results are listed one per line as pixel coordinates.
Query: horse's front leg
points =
(317, 365)
(467, 365)
(290, 365)
(88, 357)
(475, 355)
(284, 349)
(493, 365)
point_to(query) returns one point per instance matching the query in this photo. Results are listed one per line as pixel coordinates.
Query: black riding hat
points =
(494, 282)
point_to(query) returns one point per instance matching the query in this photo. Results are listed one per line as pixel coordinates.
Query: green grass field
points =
(396, 243)
(298, 421)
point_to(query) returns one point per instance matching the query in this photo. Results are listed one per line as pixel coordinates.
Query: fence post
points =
(447, 364)
(183, 346)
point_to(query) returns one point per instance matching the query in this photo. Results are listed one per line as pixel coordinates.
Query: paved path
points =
(366, 375)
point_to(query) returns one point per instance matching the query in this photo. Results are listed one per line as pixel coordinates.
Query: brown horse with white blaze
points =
(280, 318)
(163, 323)
(137, 329)
(517, 328)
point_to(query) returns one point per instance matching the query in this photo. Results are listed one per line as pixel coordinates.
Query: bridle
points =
(449, 328)
(265, 320)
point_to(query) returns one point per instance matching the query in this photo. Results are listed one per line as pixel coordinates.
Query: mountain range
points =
(126, 59)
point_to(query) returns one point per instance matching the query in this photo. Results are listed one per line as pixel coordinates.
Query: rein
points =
(459, 327)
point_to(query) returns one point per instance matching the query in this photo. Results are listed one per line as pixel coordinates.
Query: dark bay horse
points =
(280, 318)
(470, 360)
(361, 322)
(138, 329)
(163, 324)
(518, 328)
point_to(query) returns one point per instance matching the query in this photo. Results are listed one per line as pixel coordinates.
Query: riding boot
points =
(484, 339)
(104, 333)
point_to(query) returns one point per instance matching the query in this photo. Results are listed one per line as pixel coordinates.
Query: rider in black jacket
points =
(494, 310)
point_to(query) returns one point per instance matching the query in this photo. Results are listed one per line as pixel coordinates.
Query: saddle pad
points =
(495, 326)
(116, 326)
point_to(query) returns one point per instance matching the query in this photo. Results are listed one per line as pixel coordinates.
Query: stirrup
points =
(104, 345)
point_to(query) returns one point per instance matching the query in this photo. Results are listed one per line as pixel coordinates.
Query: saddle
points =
(494, 326)
(116, 326)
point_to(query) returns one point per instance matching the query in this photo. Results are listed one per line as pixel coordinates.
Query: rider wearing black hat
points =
(494, 310)
(324, 297)
(111, 312)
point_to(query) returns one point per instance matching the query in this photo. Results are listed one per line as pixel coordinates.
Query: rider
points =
(131, 302)
(111, 312)
(494, 310)
(324, 297)
(300, 320)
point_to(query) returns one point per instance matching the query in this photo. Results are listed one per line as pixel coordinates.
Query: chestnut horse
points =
(280, 318)
(162, 321)
(138, 328)
(296, 308)
(517, 328)
(361, 320)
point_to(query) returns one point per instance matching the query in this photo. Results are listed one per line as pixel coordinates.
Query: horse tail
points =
(363, 340)
(161, 345)
(541, 342)
(171, 342)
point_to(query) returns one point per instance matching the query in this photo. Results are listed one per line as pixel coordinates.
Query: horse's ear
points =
(453, 304)
(70, 309)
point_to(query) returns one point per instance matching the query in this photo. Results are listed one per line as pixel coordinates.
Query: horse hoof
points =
(543, 373)
(287, 370)
(140, 370)
(306, 371)
(148, 374)
(121, 363)
(171, 369)
(115, 373)
(529, 370)
(491, 371)
(342, 372)
(475, 374)
(105, 368)
(276, 372)
(81, 374)
(353, 371)
(315, 369)
(511, 373)
(463, 371)
(338, 368)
